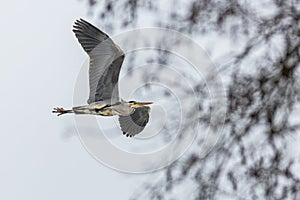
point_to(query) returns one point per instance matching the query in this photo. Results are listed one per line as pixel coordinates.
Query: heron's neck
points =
(122, 108)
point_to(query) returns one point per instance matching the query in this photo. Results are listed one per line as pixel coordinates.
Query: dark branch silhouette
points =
(251, 160)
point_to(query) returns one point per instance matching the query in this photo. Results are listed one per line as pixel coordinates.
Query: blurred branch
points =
(251, 159)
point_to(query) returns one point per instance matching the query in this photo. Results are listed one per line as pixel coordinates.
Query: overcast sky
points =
(41, 156)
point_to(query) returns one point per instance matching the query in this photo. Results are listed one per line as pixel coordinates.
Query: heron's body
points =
(106, 59)
(104, 109)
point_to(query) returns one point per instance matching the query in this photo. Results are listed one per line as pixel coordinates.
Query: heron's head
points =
(135, 104)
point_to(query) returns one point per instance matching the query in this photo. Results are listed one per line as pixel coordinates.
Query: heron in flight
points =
(106, 59)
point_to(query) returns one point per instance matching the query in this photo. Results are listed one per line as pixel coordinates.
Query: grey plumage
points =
(136, 122)
(106, 59)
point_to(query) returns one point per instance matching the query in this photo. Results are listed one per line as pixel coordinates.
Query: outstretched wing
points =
(106, 59)
(136, 122)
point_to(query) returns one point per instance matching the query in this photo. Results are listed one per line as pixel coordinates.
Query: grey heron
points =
(106, 59)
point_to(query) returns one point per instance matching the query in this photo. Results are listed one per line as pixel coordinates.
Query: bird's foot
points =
(60, 111)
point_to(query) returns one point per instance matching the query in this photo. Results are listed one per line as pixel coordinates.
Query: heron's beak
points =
(138, 104)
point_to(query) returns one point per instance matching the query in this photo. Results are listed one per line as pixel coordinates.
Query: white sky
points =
(40, 157)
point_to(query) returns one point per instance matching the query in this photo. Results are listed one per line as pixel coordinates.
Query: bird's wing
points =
(134, 123)
(106, 59)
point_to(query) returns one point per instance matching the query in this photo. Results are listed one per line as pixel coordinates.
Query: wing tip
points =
(127, 134)
(78, 24)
